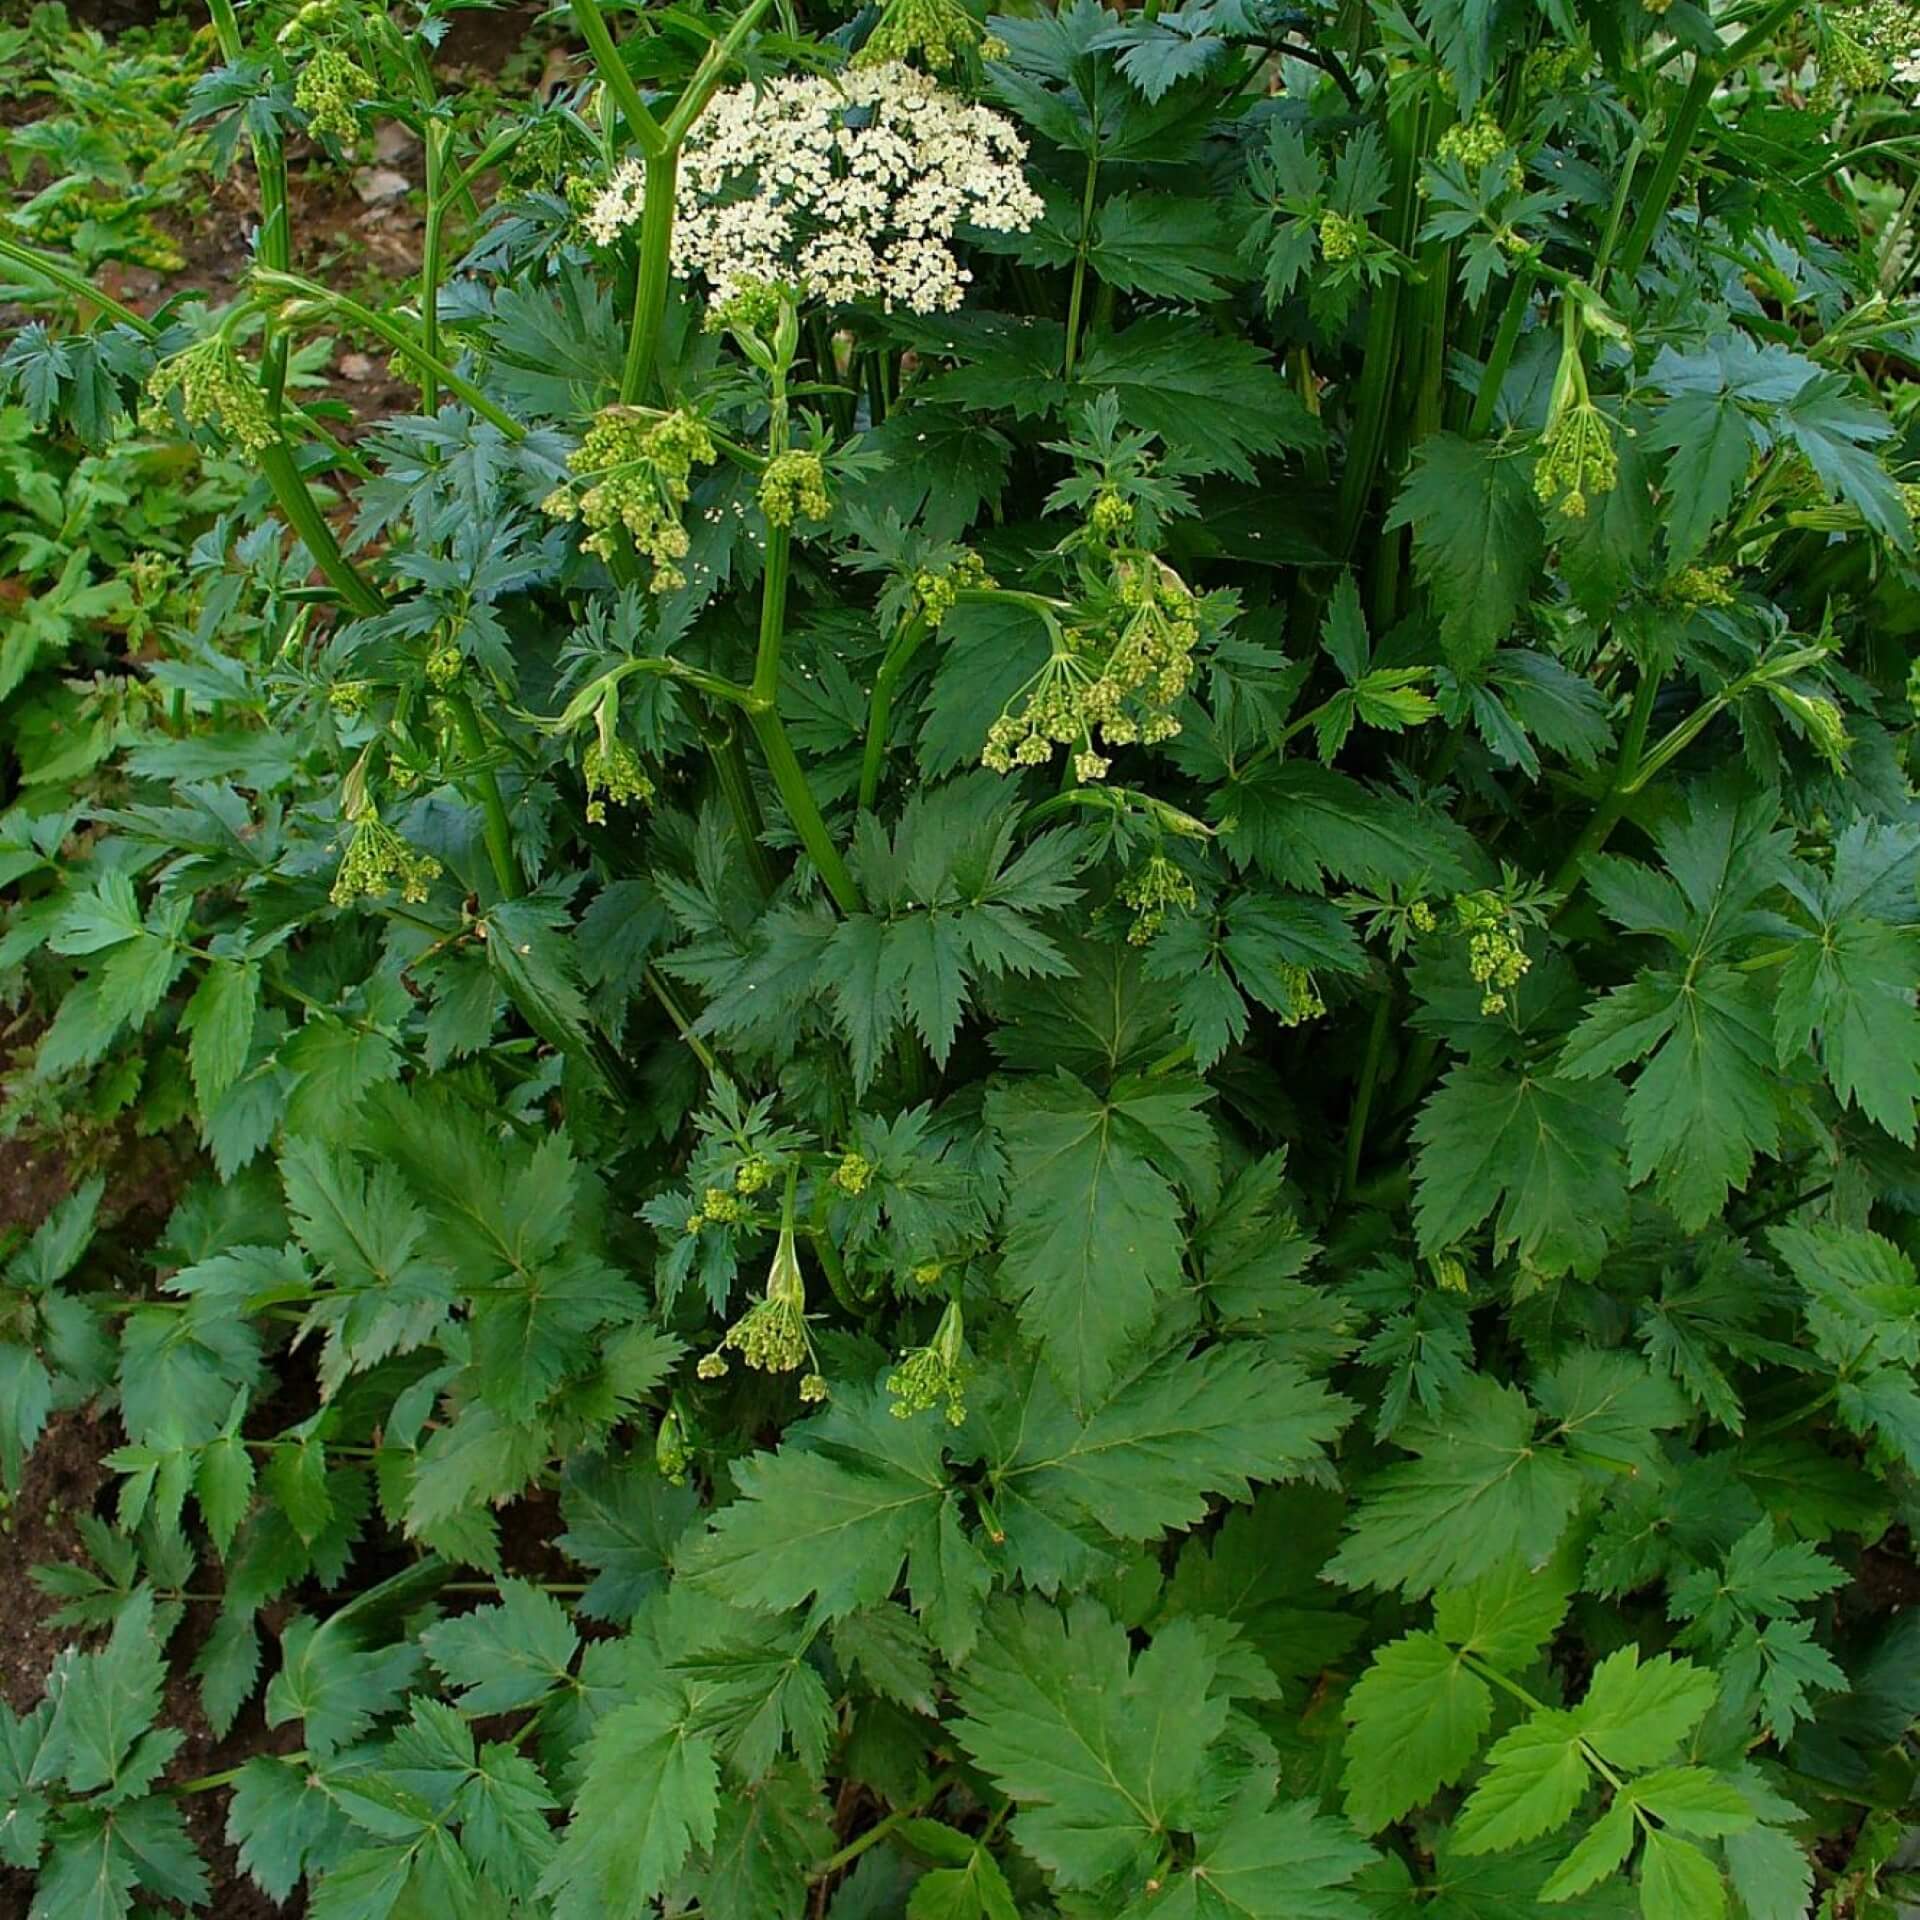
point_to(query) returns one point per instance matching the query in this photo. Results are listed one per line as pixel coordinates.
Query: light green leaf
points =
(1536, 1776)
(649, 1794)
(1417, 1718)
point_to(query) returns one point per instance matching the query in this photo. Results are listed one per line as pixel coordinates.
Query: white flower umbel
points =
(848, 188)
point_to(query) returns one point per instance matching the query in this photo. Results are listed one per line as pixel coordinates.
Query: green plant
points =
(106, 163)
(1089, 895)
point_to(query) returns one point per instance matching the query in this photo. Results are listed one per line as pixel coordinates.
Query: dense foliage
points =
(1049, 997)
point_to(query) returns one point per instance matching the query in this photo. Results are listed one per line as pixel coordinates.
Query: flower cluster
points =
(1144, 655)
(613, 772)
(854, 1174)
(938, 1371)
(330, 91)
(941, 32)
(794, 485)
(215, 388)
(1153, 890)
(1302, 998)
(1495, 956)
(377, 861)
(771, 1336)
(445, 664)
(1476, 144)
(938, 589)
(1577, 459)
(1702, 587)
(1342, 237)
(640, 467)
(847, 188)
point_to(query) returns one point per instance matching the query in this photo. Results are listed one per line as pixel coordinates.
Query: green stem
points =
(1363, 1092)
(1620, 788)
(1685, 129)
(404, 343)
(736, 788)
(1077, 297)
(498, 830)
(852, 1851)
(303, 514)
(1506, 337)
(646, 130)
(681, 1025)
(650, 290)
(75, 284)
(906, 643)
(1367, 435)
(784, 764)
(773, 616)
(430, 246)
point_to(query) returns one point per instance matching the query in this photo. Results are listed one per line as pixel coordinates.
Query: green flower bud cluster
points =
(613, 772)
(1552, 68)
(1495, 956)
(1154, 890)
(794, 484)
(1422, 916)
(941, 32)
(854, 1174)
(1577, 460)
(215, 388)
(349, 697)
(1303, 1002)
(718, 1208)
(924, 1376)
(1341, 237)
(938, 589)
(641, 466)
(754, 1174)
(377, 861)
(1148, 643)
(330, 91)
(1112, 516)
(1476, 144)
(751, 303)
(1702, 587)
(1913, 687)
(771, 1336)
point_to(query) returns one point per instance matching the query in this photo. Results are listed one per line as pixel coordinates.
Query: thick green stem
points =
(773, 615)
(303, 514)
(646, 130)
(1506, 337)
(1685, 129)
(430, 251)
(1372, 405)
(498, 830)
(784, 764)
(906, 643)
(650, 290)
(729, 759)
